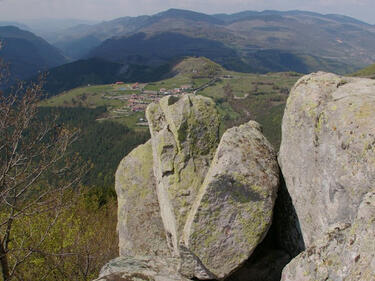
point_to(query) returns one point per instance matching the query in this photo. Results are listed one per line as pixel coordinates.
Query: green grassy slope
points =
(366, 72)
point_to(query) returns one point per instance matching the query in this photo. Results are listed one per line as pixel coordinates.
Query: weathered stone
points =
(141, 269)
(346, 252)
(184, 135)
(327, 154)
(141, 230)
(233, 211)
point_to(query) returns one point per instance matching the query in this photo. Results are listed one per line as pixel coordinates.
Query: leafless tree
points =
(35, 170)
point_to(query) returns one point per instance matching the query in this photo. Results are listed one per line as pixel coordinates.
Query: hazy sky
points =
(109, 9)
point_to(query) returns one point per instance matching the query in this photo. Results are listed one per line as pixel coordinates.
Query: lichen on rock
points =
(233, 210)
(140, 227)
(345, 252)
(184, 136)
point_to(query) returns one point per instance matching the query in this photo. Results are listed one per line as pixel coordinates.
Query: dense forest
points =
(100, 145)
(72, 240)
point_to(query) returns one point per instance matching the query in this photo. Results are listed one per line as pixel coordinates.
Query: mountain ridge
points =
(335, 37)
(27, 53)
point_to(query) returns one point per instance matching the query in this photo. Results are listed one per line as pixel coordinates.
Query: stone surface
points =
(184, 136)
(141, 230)
(346, 252)
(141, 269)
(233, 210)
(327, 154)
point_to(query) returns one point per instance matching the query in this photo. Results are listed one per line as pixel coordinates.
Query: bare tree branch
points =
(34, 164)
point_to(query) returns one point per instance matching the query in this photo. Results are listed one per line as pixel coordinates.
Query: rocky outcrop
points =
(327, 157)
(233, 210)
(193, 207)
(327, 154)
(346, 252)
(184, 137)
(189, 203)
(138, 206)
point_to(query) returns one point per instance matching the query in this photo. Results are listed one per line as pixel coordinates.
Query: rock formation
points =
(327, 157)
(138, 206)
(327, 154)
(188, 202)
(233, 210)
(193, 207)
(184, 136)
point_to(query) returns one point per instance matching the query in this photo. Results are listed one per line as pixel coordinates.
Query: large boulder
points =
(345, 252)
(184, 137)
(140, 228)
(327, 154)
(233, 210)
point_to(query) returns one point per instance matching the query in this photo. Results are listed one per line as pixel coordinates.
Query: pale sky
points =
(110, 9)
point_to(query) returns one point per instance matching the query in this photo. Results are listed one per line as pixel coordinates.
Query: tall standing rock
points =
(184, 136)
(233, 211)
(327, 154)
(140, 227)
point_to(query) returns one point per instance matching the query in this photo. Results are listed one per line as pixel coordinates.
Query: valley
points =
(239, 96)
(149, 127)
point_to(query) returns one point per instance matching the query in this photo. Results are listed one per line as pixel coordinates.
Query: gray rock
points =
(141, 230)
(141, 269)
(327, 154)
(184, 136)
(233, 211)
(345, 252)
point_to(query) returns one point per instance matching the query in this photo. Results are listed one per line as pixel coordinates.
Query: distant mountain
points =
(50, 28)
(318, 42)
(16, 24)
(160, 48)
(26, 53)
(122, 26)
(80, 47)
